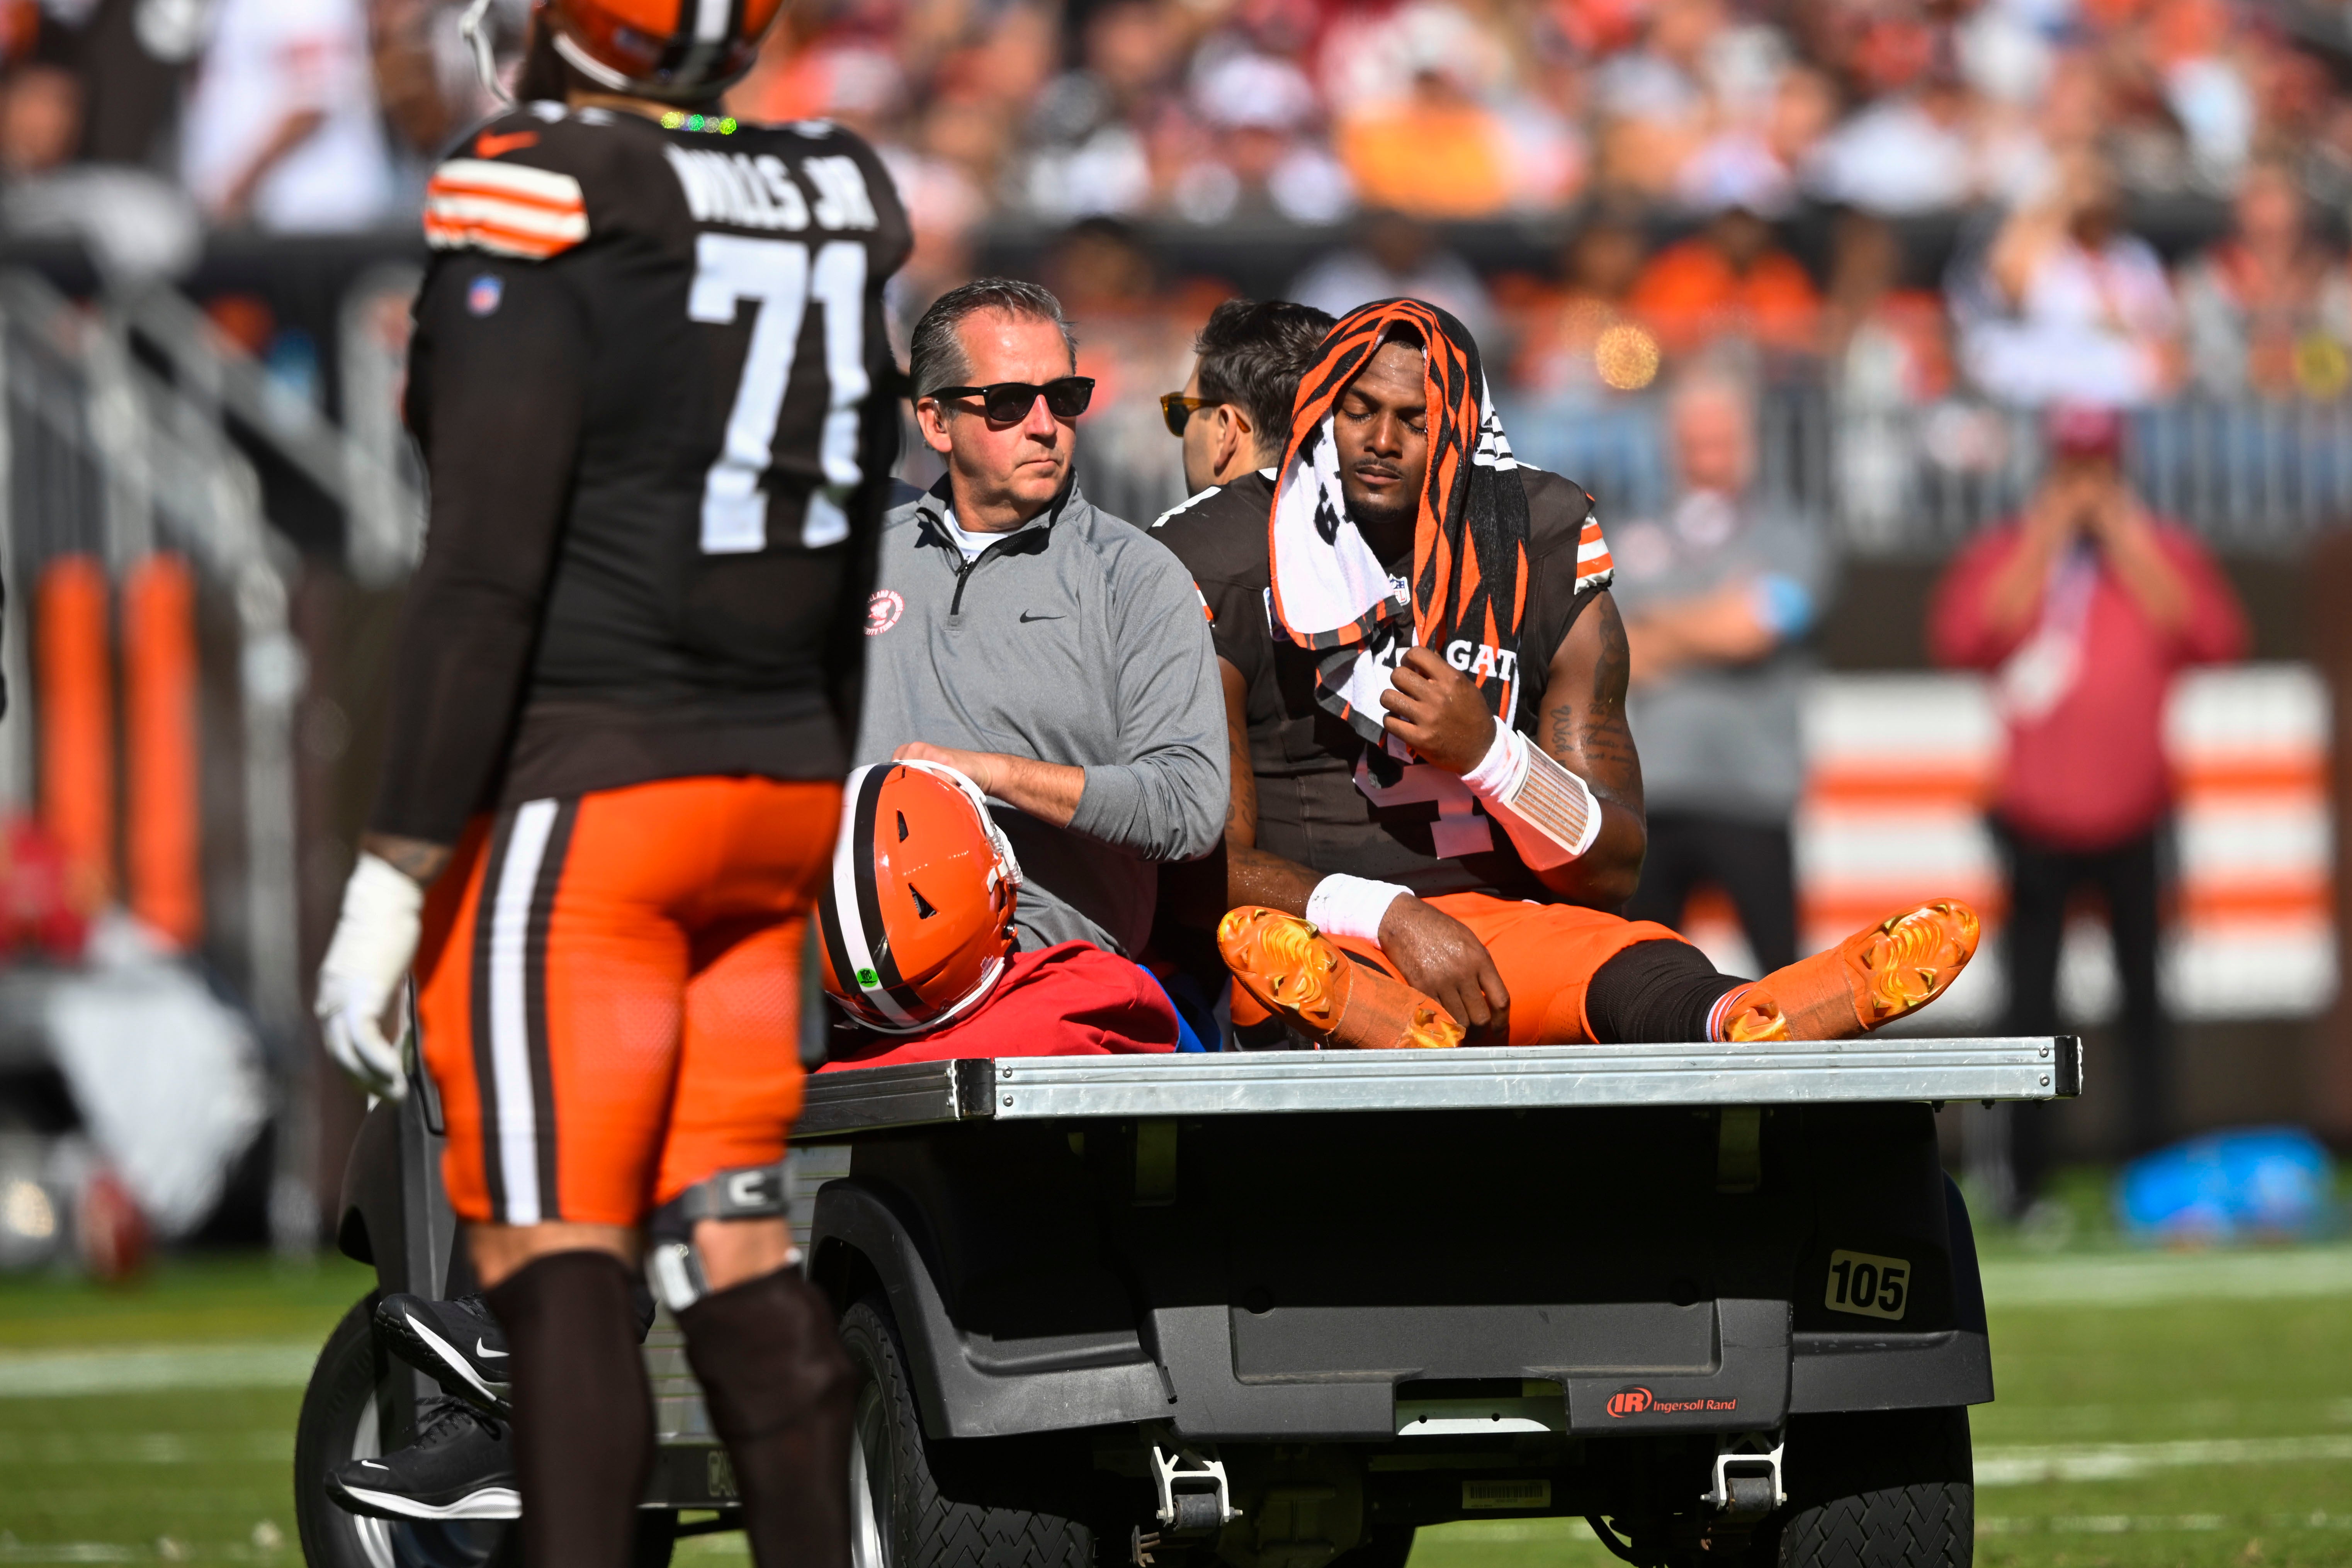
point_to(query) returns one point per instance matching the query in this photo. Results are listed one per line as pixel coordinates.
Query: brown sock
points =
(584, 1423)
(1660, 990)
(780, 1387)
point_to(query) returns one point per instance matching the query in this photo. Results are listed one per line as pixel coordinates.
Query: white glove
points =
(374, 941)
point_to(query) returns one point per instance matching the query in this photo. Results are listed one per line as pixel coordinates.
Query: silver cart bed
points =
(844, 1102)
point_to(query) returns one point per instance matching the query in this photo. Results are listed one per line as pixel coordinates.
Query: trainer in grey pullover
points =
(1075, 639)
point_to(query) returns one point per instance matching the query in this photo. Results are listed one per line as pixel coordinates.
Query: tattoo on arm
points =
(413, 857)
(1584, 722)
(1240, 806)
(1613, 669)
(1566, 733)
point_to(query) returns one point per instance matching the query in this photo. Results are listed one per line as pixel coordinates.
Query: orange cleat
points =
(1754, 1015)
(1299, 974)
(1872, 978)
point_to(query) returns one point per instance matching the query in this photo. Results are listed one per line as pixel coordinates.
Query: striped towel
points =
(1469, 551)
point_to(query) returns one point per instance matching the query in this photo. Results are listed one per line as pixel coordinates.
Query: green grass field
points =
(2166, 1410)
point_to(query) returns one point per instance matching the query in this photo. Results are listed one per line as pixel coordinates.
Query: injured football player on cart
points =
(1436, 801)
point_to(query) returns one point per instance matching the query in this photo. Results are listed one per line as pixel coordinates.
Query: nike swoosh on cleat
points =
(450, 1355)
(486, 1352)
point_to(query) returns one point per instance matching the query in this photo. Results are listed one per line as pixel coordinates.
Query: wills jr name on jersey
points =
(757, 191)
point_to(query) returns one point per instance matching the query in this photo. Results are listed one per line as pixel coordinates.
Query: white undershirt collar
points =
(972, 544)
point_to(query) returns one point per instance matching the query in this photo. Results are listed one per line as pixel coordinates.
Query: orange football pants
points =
(1545, 953)
(609, 989)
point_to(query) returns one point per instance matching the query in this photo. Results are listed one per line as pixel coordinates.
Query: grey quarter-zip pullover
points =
(1076, 638)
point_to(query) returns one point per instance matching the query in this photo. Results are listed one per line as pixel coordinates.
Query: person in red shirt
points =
(2084, 609)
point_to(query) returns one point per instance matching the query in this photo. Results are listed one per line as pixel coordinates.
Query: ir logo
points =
(1630, 1402)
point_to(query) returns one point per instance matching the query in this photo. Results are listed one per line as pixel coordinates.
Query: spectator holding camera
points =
(2083, 610)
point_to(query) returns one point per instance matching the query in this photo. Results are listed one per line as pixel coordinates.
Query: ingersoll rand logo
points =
(1631, 1401)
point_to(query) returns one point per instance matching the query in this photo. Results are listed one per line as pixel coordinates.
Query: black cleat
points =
(458, 1344)
(460, 1467)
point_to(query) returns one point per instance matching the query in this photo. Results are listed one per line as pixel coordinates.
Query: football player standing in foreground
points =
(1425, 683)
(649, 380)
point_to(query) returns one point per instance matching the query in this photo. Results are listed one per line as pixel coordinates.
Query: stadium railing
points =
(132, 430)
(2252, 476)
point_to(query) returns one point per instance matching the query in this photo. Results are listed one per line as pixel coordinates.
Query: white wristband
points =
(1351, 906)
(1495, 772)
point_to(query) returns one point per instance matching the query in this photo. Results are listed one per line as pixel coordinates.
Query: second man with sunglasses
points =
(1055, 654)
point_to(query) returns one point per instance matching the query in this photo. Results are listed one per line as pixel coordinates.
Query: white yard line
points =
(2121, 1461)
(2131, 1279)
(2122, 1523)
(232, 1445)
(2092, 1421)
(149, 1369)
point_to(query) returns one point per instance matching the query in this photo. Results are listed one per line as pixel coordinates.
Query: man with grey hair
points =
(1055, 654)
(1717, 597)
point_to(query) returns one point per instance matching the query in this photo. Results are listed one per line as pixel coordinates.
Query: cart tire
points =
(657, 1538)
(1386, 1546)
(339, 1423)
(901, 1515)
(1893, 1489)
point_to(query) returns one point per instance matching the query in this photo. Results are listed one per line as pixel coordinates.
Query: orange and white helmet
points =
(685, 50)
(917, 921)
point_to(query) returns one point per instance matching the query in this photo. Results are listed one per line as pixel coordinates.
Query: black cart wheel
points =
(1384, 1546)
(1891, 1488)
(902, 1513)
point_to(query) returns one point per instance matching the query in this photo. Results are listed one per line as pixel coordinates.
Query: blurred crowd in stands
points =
(1676, 145)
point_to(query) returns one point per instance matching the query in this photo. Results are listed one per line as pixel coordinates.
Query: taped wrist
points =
(377, 884)
(377, 936)
(1551, 816)
(1351, 906)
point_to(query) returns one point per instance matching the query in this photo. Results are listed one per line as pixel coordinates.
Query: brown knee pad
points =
(583, 1419)
(778, 1387)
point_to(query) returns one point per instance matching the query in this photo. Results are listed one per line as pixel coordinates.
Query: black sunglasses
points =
(1009, 402)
